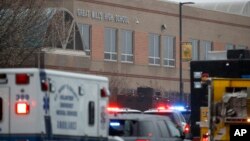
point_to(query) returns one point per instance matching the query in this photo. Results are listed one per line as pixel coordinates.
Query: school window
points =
(229, 46)
(85, 32)
(127, 46)
(205, 47)
(110, 51)
(154, 49)
(168, 46)
(195, 49)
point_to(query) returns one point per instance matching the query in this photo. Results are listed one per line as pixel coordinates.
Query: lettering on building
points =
(102, 16)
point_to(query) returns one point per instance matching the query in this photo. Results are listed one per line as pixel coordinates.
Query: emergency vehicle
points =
(228, 109)
(42, 104)
(229, 64)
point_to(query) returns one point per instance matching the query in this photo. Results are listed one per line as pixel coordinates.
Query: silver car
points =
(141, 127)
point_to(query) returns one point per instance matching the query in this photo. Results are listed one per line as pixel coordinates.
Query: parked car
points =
(176, 116)
(141, 127)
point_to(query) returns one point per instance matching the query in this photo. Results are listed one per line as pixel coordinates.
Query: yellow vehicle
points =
(228, 107)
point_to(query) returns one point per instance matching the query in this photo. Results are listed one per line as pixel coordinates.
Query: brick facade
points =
(97, 40)
(141, 48)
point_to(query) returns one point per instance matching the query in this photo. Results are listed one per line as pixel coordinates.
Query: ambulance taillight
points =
(44, 85)
(22, 79)
(104, 92)
(22, 108)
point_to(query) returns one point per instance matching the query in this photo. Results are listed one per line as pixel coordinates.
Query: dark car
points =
(176, 116)
(141, 127)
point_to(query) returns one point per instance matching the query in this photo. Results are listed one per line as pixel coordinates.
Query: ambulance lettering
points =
(67, 102)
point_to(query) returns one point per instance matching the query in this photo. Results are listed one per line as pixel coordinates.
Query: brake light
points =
(22, 108)
(22, 78)
(186, 129)
(205, 137)
(104, 92)
(248, 119)
(44, 85)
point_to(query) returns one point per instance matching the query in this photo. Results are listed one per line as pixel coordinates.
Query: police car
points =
(116, 110)
(174, 113)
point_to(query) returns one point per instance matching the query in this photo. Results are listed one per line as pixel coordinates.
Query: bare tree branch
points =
(22, 30)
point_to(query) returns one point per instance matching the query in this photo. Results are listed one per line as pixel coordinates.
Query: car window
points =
(177, 119)
(174, 132)
(146, 128)
(186, 115)
(163, 129)
(123, 127)
(181, 117)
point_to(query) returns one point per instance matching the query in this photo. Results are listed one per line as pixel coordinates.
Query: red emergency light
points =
(22, 108)
(22, 79)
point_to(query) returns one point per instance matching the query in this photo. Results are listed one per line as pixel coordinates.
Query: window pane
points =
(106, 56)
(195, 49)
(107, 40)
(168, 48)
(127, 45)
(229, 46)
(85, 32)
(110, 44)
(154, 49)
(205, 47)
(151, 45)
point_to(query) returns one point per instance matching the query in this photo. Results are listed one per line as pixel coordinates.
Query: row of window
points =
(127, 54)
(200, 48)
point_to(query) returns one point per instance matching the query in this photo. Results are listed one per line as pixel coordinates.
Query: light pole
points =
(180, 46)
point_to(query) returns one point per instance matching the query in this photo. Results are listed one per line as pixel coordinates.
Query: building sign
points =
(186, 51)
(102, 16)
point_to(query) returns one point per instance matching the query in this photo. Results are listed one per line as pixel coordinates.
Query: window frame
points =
(166, 48)
(85, 36)
(126, 54)
(110, 45)
(156, 53)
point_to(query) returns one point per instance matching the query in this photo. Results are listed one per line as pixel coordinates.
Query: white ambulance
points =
(42, 104)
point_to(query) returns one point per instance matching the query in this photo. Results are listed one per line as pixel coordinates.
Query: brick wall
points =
(97, 40)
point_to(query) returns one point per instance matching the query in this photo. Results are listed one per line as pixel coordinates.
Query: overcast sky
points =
(200, 1)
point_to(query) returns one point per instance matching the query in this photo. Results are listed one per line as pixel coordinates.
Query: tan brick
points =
(97, 40)
(141, 48)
